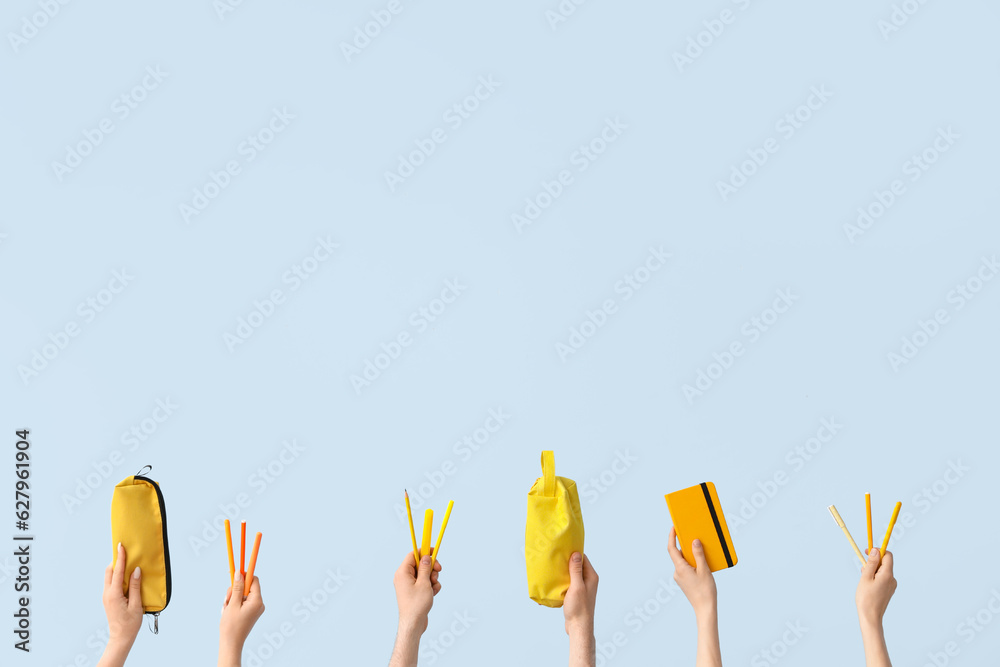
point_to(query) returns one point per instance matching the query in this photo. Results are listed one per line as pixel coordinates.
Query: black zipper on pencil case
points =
(718, 525)
(166, 548)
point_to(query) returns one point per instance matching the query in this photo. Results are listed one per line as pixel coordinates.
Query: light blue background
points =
(334, 507)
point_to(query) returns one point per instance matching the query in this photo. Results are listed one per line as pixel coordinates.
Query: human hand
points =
(697, 582)
(875, 588)
(239, 614)
(415, 591)
(124, 613)
(581, 598)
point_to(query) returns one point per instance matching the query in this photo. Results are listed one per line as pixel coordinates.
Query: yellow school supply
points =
(697, 513)
(553, 532)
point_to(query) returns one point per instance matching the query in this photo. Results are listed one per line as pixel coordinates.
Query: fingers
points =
(675, 554)
(576, 570)
(698, 549)
(435, 587)
(118, 576)
(408, 559)
(424, 572)
(886, 567)
(236, 593)
(254, 589)
(135, 591)
(589, 573)
(107, 575)
(871, 565)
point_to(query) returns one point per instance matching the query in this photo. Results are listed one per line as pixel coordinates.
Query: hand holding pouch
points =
(554, 531)
(139, 523)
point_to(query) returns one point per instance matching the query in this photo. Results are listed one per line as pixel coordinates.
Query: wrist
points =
(707, 612)
(230, 655)
(119, 643)
(870, 624)
(411, 627)
(580, 627)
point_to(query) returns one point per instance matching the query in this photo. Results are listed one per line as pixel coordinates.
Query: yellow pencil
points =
(868, 511)
(892, 522)
(413, 535)
(444, 524)
(843, 527)
(425, 544)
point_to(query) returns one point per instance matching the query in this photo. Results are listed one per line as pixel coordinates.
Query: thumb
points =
(698, 549)
(871, 565)
(236, 594)
(575, 570)
(424, 571)
(135, 591)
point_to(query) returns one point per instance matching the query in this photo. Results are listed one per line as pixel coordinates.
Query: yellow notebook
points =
(697, 513)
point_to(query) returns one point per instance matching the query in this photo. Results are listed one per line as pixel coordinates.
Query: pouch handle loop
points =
(548, 473)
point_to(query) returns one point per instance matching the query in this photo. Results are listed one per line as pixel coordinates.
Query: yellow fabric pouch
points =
(139, 523)
(553, 532)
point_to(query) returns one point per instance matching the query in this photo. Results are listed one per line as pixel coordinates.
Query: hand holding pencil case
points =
(554, 531)
(696, 513)
(139, 523)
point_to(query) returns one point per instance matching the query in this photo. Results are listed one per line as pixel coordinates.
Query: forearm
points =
(115, 654)
(876, 652)
(404, 653)
(709, 650)
(582, 647)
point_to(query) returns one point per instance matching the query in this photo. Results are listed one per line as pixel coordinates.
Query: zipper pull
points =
(145, 469)
(156, 623)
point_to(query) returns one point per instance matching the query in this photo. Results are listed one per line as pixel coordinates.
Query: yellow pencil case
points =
(553, 532)
(139, 523)
(696, 513)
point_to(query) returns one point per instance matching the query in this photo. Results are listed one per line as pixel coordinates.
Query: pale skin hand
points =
(415, 591)
(124, 613)
(578, 610)
(239, 614)
(698, 586)
(872, 598)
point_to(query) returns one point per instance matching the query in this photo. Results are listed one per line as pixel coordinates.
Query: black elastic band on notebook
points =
(718, 526)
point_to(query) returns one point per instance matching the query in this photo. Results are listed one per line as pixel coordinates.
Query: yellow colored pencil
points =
(892, 522)
(229, 545)
(425, 543)
(843, 527)
(444, 524)
(868, 511)
(413, 535)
